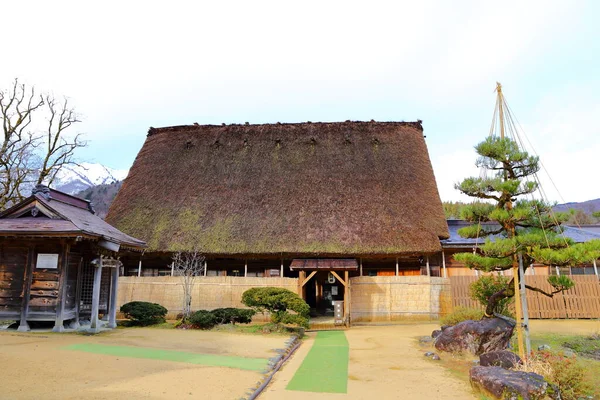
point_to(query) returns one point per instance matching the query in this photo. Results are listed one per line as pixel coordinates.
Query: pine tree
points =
(519, 225)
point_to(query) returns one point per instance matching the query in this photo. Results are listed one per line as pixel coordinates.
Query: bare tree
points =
(188, 266)
(30, 154)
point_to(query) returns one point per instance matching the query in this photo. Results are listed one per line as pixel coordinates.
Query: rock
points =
(425, 339)
(543, 347)
(504, 358)
(507, 384)
(477, 337)
(429, 354)
(444, 327)
(436, 333)
(435, 357)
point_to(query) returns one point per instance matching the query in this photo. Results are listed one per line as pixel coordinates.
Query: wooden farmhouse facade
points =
(322, 202)
(58, 261)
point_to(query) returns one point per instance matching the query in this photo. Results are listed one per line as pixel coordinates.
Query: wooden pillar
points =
(140, 268)
(23, 326)
(557, 271)
(397, 269)
(96, 296)
(114, 286)
(172, 268)
(75, 324)
(205, 267)
(347, 299)
(595, 268)
(301, 278)
(281, 270)
(62, 289)
(245, 268)
(360, 260)
(427, 264)
(444, 264)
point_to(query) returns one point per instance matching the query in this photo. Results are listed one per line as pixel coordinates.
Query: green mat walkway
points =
(325, 368)
(251, 364)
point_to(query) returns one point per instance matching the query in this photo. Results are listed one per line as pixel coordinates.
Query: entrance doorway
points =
(321, 291)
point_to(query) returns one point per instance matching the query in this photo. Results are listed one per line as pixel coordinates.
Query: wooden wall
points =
(13, 260)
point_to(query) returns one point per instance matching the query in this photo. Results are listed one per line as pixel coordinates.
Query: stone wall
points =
(396, 298)
(208, 292)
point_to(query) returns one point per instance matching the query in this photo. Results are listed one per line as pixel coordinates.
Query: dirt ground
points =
(36, 365)
(385, 363)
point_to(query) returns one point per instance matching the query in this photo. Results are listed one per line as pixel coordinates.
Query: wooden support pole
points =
(23, 325)
(112, 313)
(444, 264)
(205, 267)
(557, 271)
(245, 268)
(172, 268)
(346, 298)
(428, 268)
(281, 269)
(96, 296)
(75, 324)
(397, 267)
(301, 276)
(595, 268)
(62, 289)
(140, 268)
(361, 272)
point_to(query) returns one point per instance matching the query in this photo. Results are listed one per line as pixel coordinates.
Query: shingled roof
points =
(344, 188)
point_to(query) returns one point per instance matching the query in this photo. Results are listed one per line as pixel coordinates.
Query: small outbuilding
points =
(59, 261)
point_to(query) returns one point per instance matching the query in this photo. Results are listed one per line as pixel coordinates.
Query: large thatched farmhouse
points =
(326, 203)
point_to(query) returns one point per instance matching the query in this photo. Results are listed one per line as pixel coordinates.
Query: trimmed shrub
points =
(277, 301)
(232, 315)
(203, 319)
(461, 314)
(144, 313)
(487, 285)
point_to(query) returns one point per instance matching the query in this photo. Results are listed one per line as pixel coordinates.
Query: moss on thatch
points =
(351, 188)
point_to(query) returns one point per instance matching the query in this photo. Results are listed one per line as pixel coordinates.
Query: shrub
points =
(564, 372)
(277, 301)
(202, 319)
(461, 314)
(144, 313)
(232, 315)
(487, 285)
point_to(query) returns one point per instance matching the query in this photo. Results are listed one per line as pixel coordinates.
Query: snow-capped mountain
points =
(73, 179)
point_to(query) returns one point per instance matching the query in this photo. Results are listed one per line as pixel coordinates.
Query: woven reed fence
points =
(208, 293)
(582, 301)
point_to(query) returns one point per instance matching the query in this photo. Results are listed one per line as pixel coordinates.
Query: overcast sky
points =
(130, 65)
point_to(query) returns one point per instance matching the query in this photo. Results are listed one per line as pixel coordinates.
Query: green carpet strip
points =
(325, 368)
(251, 364)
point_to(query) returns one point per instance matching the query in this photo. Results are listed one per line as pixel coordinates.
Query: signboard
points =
(47, 261)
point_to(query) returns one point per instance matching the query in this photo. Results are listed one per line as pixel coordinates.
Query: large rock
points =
(504, 358)
(506, 384)
(478, 337)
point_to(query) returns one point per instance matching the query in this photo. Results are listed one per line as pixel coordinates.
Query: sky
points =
(129, 65)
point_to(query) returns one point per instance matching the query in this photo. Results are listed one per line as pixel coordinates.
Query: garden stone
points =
(436, 333)
(508, 384)
(429, 354)
(504, 358)
(435, 357)
(477, 337)
(543, 347)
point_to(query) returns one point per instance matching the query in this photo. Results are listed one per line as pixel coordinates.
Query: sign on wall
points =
(47, 261)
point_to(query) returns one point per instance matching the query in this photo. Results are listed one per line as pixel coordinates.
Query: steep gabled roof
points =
(54, 213)
(344, 188)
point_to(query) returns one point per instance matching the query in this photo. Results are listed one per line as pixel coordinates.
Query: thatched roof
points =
(344, 188)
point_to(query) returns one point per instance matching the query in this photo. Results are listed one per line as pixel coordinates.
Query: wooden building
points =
(52, 253)
(263, 200)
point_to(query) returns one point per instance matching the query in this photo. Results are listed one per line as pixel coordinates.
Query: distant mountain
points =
(73, 179)
(587, 207)
(101, 196)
